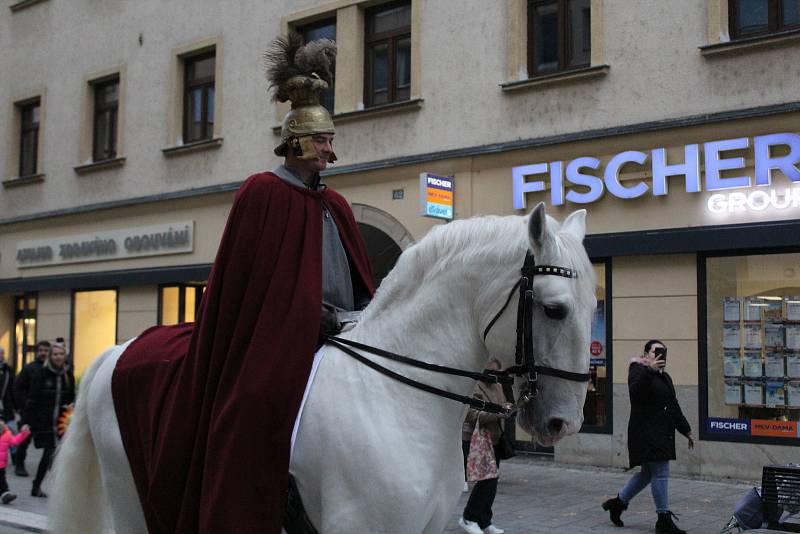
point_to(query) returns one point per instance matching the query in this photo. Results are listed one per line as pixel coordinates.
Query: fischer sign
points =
(593, 180)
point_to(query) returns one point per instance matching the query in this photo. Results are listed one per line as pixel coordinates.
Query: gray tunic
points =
(337, 285)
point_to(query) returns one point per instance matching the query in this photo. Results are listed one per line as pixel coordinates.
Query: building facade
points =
(128, 129)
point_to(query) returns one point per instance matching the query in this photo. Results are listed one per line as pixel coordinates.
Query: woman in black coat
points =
(655, 415)
(52, 389)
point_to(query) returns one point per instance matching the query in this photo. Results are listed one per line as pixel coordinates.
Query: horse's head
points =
(561, 327)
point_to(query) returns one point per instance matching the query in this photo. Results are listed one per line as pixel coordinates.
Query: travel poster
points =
(752, 336)
(775, 393)
(793, 308)
(731, 309)
(793, 393)
(730, 336)
(793, 365)
(752, 364)
(773, 335)
(773, 364)
(733, 391)
(733, 363)
(793, 336)
(752, 309)
(753, 393)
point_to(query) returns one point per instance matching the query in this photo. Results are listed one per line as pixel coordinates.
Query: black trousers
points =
(22, 452)
(479, 505)
(3, 481)
(44, 466)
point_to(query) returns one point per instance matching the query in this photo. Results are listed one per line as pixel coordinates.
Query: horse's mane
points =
(470, 242)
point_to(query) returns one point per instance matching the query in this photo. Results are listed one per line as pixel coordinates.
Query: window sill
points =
(23, 180)
(566, 76)
(375, 111)
(100, 165)
(205, 144)
(750, 43)
(22, 4)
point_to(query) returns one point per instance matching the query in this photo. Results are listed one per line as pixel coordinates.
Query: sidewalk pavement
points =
(535, 496)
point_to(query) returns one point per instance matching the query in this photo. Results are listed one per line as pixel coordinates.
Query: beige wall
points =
(137, 310)
(54, 315)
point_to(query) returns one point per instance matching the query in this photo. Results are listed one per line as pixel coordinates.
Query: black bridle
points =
(525, 360)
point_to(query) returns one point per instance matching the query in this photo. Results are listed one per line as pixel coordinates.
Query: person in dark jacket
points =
(655, 415)
(22, 386)
(6, 388)
(52, 389)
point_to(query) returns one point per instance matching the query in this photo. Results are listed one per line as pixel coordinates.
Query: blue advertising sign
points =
(436, 195)
(721, 425)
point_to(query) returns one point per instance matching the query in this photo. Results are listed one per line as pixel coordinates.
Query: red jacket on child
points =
(8, 440)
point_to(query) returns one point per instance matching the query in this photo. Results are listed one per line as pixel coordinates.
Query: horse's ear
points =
(538, 232)
(575, 224)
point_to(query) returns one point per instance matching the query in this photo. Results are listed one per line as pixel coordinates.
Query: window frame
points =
(563, 39)
(303, 29)
(702, 347)
(774, 21)
(99, 108)
(198, 83)
(72, 317)
(18, 361)
(391, 38)
(182, 287)
(29, 130)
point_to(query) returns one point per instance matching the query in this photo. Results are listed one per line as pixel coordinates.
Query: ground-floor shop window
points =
(597, 409)
(751, 372)
(179, 303)
(94, 326)
(24, 330)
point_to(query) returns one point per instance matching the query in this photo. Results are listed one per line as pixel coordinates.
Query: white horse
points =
(373, 454)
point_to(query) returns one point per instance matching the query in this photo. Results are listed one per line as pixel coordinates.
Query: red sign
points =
(596, 348)
(778, 429)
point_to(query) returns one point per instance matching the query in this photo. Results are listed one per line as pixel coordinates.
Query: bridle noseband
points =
(525, 360)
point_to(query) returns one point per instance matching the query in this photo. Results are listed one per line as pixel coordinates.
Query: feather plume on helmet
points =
(298, 72)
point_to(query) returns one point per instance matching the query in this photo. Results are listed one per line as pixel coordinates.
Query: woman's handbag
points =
(481, 464)
(505, 449)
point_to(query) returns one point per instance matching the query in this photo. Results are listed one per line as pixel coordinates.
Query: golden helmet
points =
(299, 73)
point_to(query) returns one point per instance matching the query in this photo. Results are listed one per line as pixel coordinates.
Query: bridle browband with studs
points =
(525, 361)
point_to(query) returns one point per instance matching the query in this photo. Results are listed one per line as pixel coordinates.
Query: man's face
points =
(58, 357)
(323, 146)
(42, 352)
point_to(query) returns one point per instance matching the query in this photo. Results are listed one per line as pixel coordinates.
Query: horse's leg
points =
(126, 511)
(77, 502)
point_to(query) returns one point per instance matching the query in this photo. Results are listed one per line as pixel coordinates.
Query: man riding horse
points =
(206, 410)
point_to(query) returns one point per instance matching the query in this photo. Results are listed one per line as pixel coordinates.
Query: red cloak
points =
(206, 410)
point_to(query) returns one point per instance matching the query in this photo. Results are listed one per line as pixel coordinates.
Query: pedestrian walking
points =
(52, 390)
(8, 440)
(655, 415)
(6, 388)
(22, 386)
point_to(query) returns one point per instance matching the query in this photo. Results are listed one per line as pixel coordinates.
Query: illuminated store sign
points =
(129, 243)
(593, 180)
(436, 195)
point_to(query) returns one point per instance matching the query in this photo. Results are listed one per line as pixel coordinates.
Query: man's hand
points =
(329, 322)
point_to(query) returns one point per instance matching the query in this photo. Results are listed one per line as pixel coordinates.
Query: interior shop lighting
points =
(769, 297)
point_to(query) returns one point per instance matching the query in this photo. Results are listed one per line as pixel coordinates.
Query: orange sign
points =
(778, 429)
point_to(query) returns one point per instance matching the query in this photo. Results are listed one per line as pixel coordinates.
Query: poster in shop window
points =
(733, 363)
(753, 393)
(793, 336)
(773, 311)
(773, 335)
(775, 393)
(731, 309)
(793, 365)
(730, 336)
(793, 308)
(752, 364)
(793, 393)
(752, 336)
(752, 309)
(733, 391)
(773, 364)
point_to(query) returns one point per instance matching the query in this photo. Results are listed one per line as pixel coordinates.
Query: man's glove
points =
(329, 322)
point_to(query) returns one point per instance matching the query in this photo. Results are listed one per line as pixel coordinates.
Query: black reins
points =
(525, 362)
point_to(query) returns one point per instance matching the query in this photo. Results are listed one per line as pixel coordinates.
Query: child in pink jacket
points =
(8, 440)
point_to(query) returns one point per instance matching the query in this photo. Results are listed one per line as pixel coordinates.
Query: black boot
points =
(664, 525)
(615, 508)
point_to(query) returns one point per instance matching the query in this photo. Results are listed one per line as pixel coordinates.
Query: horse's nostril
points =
(555, 426)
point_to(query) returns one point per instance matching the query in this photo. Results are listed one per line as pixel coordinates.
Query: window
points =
(597, 408)
(750, 357)
(29, 138)
(94, 326)
(387, 54)
(106, 103)
(750, 18)
(325, 29)
(179, 303)
(24, 331)
(559, 35)
(198, 97)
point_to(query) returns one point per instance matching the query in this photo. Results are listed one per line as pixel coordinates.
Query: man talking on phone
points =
(655, 416)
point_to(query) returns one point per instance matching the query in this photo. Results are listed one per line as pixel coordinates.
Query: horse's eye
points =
(556, 311)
